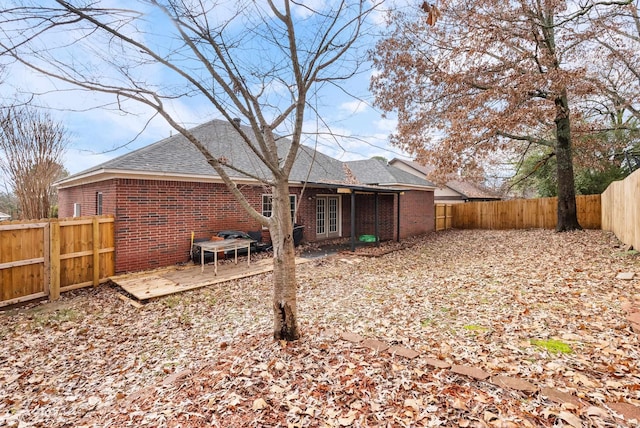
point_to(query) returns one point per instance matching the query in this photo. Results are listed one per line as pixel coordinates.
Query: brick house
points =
(163, 192)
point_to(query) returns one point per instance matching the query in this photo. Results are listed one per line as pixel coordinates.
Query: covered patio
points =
(354, 190)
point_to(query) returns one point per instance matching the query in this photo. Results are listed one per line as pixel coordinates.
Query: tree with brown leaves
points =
(478, 77)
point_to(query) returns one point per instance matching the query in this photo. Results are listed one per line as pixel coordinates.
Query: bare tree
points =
(616, 36)
(259, 61)
(32, 146)
(471, 78)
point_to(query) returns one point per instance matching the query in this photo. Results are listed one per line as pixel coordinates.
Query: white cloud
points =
(353, 107)
(79, 160)
(344, 144)
(386, 125)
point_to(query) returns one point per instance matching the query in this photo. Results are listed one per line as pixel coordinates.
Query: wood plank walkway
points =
(149, 285)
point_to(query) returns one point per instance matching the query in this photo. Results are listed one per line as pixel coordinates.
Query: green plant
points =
(475, 327)
(56, 317)
(171, 302)
(553, 346)
(426, 322)
(629, 253)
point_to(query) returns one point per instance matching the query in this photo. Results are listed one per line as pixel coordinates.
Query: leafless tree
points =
(261, 61)
(32, 146)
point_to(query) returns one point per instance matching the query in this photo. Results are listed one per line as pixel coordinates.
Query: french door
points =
(328, 217)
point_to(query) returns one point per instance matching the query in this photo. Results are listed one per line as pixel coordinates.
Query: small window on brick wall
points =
(76, 210)
(267, 206)
(99, 203)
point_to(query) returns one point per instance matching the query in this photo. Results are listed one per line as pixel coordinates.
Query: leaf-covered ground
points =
(530, 305)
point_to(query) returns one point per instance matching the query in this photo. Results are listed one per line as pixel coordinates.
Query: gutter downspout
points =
(377, 230)
(398, 231)
(353, 220)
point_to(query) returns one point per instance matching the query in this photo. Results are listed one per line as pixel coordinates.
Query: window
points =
(76, 210)
(321, 213)
(267, 206)
(99, 203)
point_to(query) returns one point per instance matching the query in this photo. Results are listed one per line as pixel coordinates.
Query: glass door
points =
(327, 217)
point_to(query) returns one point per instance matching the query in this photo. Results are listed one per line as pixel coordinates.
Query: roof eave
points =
(108, 174)
(410, 186)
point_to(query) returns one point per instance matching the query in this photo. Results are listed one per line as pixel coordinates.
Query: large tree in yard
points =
(261, 61)
(477, 77)
(32, 146)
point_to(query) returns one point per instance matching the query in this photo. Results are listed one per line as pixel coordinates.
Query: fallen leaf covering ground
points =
(473, 298)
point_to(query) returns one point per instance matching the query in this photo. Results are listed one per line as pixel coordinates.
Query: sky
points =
(99, 134)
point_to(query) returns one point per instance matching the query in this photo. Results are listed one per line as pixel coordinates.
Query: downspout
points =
(377, 230)
(398, 231)
(353, 220)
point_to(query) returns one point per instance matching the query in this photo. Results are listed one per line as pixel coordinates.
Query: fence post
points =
(46, 248)
(54, 261)
(96, 252)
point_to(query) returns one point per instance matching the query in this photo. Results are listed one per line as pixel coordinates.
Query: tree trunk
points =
(567, 213)
(285, 312)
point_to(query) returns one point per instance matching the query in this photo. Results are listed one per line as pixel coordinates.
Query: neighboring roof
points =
(467, 189)
(471, 191)
(176, 157)
(415, 165)
(378, 172)
(4, 216)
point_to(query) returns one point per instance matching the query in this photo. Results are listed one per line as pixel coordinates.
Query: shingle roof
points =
(471, 191)
(465, 188)
(378, 172)
(176, 155)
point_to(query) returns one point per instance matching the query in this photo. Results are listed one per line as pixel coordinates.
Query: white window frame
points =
(326, 233)
(77, 209)
(267, 205)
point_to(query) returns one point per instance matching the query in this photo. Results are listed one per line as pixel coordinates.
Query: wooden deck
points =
(148, 285)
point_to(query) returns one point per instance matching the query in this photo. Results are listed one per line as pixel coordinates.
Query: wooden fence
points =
(538, 213)
(443, 217)
(621, 209)
(45, 257)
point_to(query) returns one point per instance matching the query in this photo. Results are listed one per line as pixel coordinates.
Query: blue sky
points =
(99, 134)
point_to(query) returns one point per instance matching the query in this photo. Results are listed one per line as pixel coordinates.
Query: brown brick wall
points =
(86, 197)
(154, 219)
(417, 211)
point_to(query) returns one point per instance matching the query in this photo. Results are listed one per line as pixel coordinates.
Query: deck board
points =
(157, 284)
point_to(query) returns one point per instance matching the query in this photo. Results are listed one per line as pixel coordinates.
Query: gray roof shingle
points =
(378, 172)
(176, 155)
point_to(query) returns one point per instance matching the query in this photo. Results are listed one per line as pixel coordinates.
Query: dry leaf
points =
(473, 279)
(571, 419)
(259, 404)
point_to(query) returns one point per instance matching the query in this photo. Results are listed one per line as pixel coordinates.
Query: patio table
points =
(224, 245)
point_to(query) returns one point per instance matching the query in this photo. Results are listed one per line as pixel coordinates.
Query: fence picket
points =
(519, 214)
(42, 258)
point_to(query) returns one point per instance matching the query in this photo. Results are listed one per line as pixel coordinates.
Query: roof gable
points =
(471, 191)
(176, 156)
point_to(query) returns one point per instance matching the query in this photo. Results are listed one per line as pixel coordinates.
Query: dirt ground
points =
(535, 307)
